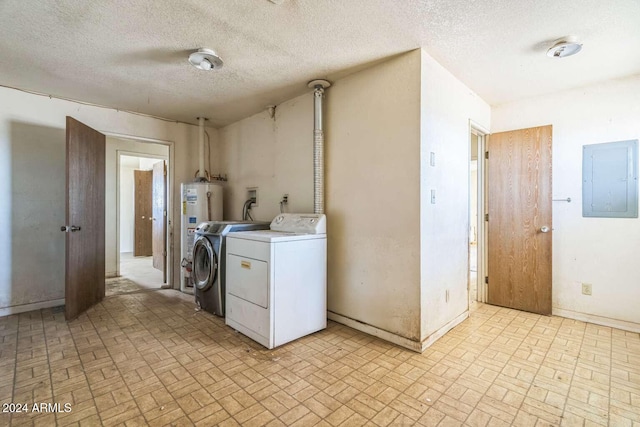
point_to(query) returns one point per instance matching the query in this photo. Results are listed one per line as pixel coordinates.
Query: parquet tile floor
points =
(151, 359)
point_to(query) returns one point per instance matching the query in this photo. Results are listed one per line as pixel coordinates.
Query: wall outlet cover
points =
(252, 193)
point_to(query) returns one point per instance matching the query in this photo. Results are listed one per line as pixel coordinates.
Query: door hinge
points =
(164, 213)
(486, 280)
(164, 253)
(486, 155)
(486, 217)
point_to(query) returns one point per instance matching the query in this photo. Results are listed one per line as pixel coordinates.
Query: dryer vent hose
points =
(318, 145)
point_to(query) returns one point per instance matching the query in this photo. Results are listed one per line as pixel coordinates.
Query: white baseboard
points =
(407, 343)
(376, 332)
(16, 309)
(597, 320)
(428, 341)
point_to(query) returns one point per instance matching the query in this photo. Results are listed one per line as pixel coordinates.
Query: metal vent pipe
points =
(318, 87)
(201, 172)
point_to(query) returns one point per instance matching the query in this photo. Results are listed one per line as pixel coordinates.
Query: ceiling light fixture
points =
(564, 47)
(205, 59)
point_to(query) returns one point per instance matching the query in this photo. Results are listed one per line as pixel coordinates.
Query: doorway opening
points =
(477, 235)
(138, 217)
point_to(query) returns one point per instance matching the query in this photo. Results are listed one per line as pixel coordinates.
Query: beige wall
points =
(32, 188)
(275, 155)
(447, 105)
(372, 201)
(599, 251)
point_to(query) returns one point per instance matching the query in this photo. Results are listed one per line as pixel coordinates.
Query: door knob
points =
(142, 217)
(72, 228)
(544, 229)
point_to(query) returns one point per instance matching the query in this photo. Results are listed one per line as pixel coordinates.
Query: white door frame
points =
(481, 226)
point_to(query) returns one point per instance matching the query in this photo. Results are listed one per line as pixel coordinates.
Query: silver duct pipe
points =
(201, 171)
(318, 145)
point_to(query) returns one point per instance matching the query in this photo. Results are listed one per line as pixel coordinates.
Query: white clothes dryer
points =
(276, 284)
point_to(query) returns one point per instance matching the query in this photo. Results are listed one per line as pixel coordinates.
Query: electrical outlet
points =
(433, 197)
(586, 289)
(285, 199)
(252, 193)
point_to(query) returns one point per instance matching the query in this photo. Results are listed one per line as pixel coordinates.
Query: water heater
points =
(201, 201)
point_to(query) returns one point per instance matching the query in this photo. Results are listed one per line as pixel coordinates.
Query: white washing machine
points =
(276, 280)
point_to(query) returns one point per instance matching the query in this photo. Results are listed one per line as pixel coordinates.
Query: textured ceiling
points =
(132, 55)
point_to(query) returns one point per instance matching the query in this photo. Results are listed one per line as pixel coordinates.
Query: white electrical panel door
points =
(610, 180)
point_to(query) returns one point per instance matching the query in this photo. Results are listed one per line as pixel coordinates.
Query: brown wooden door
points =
(519, 229)
(160, 217)
(143, 213)
(85, 217)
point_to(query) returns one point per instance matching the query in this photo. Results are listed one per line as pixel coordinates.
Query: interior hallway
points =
(140, 270)
(150, 358)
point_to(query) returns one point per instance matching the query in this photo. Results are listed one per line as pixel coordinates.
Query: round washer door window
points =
(205, 264)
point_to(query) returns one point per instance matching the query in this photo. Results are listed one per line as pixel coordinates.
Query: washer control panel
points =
(300, 223)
